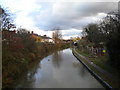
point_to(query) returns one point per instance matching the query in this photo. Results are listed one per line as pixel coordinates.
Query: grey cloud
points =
(73, 14)
(92, 8)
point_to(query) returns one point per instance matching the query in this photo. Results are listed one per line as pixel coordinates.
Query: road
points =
(59, 70)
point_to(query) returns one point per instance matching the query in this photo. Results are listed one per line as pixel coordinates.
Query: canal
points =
(59, 70)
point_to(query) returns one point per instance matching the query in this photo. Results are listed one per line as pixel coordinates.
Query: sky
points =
(70, 16)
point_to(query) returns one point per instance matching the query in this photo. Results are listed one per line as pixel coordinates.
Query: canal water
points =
(59, 70)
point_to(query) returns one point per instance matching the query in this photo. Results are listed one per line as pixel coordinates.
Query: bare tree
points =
(5, 20)
(57, 35)
(84, 34)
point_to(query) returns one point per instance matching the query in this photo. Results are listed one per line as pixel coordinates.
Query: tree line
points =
(107, 33)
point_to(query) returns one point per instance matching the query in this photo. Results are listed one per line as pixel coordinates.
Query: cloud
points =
(70, 17)
(22, 10)
(71, 32)
(66, 15)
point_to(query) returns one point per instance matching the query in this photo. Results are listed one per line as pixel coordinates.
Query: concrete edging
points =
(104, 83)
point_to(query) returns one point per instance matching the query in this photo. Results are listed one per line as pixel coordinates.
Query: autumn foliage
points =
(20, 51)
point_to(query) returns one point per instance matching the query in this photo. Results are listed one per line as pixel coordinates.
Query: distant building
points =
(39, 38)
(67, 41)
(76, 39)
(8, 34)
(36, 37)
(46, 39)
(11, 39)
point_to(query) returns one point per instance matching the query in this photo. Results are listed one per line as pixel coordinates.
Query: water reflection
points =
(25, 82)
(80, 67)
(70, 73)
(33, 71)
(82, 71)
(28, 79)
(56, 59)
(76, 64)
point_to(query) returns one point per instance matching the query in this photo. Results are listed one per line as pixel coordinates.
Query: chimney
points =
(32, 32)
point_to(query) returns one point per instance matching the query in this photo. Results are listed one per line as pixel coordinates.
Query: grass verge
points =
(113, 83)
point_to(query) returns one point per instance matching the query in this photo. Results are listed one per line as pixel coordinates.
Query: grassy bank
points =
(102, 63)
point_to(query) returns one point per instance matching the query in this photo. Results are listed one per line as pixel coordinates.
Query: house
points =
(46, 39)
(39, 38)
(36, 37)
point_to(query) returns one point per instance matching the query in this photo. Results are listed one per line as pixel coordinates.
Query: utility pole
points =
(119, 8)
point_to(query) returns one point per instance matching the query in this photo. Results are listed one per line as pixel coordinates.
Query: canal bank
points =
(59, 70)
(104, 77)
